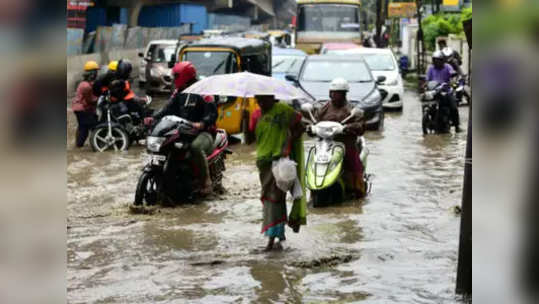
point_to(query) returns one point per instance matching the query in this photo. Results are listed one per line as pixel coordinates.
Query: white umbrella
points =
(246, 84)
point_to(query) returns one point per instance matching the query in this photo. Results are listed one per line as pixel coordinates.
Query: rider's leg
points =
(200, 148)
(454, 112)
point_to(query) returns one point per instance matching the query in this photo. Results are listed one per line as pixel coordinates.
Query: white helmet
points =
(339, 84)
(437, 55)
(447, 51)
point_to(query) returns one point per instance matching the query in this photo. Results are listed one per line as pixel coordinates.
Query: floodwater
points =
(399, 245)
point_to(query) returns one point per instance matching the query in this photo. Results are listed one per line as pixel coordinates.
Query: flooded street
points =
(399, 245)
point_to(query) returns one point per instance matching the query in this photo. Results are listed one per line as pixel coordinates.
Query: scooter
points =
(324, 169)
(117, 128)
(170, 176)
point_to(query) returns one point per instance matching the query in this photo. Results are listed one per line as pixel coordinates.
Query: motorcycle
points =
(324, 169)
(117, 127)
(169, 175)
(436, 113)
(461, 90)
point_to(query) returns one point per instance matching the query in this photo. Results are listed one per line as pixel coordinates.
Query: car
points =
(286, 62)
(319, 70)
(154, 73)
(382, 62)
(335, 47)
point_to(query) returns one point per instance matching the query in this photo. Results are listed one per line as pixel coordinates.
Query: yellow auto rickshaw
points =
(224, 55)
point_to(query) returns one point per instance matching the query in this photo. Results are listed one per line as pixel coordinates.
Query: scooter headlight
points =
(154, 143)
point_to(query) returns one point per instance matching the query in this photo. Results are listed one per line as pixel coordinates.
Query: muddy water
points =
(397, 246)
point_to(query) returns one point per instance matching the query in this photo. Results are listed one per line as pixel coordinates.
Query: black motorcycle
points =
(117, 126)
(170, 176)
(462, 90)
(435, 108)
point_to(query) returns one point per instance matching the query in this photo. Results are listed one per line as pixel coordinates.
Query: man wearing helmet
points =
(120, 89)
(201, 111)
(451, 56)
(84, 103)
(337, 109)
(442, 72)
(102, 82)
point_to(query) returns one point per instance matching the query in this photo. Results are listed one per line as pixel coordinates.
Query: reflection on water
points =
(399, 245)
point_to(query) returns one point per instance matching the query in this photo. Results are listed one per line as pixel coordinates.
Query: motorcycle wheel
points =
(100, 141)
(147, 189)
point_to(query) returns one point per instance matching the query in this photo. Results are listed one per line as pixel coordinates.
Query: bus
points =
(320, 21)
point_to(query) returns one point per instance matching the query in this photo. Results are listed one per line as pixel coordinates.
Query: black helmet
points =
(124, 69)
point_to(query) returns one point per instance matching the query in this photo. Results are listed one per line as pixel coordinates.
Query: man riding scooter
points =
(201, 111)
(338, 109)
(442, 72)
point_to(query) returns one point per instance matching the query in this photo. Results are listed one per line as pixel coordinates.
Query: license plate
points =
(323, 158)
(155, 159)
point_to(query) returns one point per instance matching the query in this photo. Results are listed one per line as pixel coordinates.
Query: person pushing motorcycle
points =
(337, 109)
(201, 111)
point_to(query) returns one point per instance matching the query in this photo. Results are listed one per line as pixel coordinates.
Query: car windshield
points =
(328, 18)
(380, 62)
(161, 52)
(212, 63)
(326, 71)
(287, 64)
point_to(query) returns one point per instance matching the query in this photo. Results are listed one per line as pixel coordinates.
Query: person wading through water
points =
(278, 129)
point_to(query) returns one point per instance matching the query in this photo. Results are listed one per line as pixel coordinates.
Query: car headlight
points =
(393, 83)
(154, 143)
(372, 99)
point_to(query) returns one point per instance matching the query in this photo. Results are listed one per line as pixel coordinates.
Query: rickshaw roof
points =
(242, 45)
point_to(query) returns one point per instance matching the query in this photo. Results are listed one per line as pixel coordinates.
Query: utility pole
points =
(420, 42)
(464, 267)
(377, 39)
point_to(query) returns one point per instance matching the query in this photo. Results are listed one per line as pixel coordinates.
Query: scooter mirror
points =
(307, 107)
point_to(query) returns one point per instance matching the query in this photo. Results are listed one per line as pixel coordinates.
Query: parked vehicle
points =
(154, 73)
(436, 114)
(286, 62)
(279, 38)
(117, 128)
(225, 55)
(462, 90)
(382, 62)
(323, 21)
(169, 175)
(336, 47)
(319, 70)
(325, 160)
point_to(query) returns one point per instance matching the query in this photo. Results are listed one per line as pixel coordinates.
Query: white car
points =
(382, 62)
(154, 63)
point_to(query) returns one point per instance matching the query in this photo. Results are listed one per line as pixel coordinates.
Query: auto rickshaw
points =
(280, 38)
(224, 55)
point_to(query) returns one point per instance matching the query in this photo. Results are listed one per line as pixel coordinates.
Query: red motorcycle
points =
(170, 176)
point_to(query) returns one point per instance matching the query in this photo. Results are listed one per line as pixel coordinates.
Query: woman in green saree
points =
(278, 131)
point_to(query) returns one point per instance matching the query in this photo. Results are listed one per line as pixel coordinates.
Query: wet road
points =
(399, 245)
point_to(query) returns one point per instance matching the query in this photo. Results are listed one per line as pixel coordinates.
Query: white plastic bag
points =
(284, 172)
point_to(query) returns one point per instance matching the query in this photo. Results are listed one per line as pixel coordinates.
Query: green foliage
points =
(442, 25)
